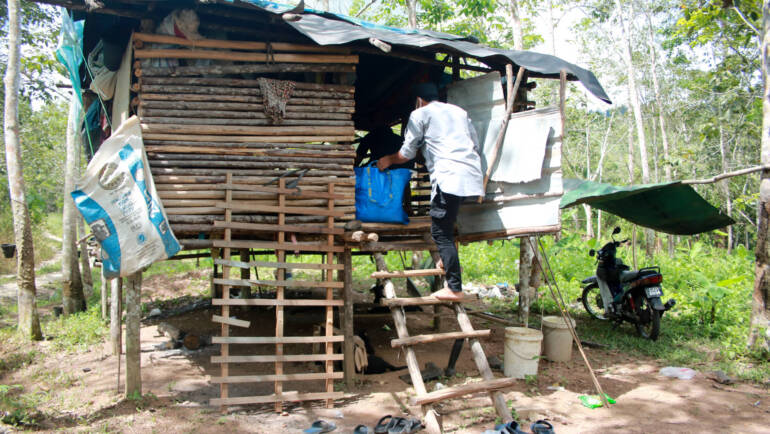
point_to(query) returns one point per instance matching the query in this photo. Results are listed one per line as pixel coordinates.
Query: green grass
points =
(78, 332)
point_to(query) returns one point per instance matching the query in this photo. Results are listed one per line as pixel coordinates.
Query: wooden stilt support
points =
(133, 343)
(348, 326)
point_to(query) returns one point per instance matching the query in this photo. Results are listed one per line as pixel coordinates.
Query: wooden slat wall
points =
(327, 283)
(201, 120)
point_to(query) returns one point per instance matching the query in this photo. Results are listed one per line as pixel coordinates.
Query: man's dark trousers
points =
(443, 213)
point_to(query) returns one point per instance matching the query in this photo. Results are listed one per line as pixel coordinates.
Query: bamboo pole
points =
(203, 103)
(237, 45)
(266, 156)
(145, 110)
(247, 130)
(317, 103)
(247, 138)
(212, 120)
(217, 152)
(240, 82)
(221, 90)
(167, 53)
(209, 70)
(225, 144)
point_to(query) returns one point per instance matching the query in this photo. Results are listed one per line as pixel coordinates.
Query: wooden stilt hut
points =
(250, 112)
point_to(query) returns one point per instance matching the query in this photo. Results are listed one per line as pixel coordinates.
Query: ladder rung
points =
(407, 273)
(424, 339)
(413, 301)
(466, 389)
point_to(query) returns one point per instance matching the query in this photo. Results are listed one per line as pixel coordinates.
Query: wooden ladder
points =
(424, 398)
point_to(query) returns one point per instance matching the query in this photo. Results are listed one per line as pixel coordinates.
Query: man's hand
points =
(384, 162)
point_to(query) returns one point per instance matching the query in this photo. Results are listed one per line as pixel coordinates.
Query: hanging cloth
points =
(275, 95)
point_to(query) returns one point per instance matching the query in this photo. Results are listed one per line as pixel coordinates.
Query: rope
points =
(566, 316)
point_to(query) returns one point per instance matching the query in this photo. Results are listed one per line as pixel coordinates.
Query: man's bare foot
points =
(440, 264)
(448, 295)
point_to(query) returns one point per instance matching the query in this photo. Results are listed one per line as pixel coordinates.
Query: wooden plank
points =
(274, 302)
(285, 265)
(289, 191)
(279, 295)
(304, 229)
(276, 358)
(255, 139)
(348, 318)
(300, 246)
(170, 53)
(236, 45)
(330, 296)
(225, 349)
(281, 209)
(276, 340)
(230, 321)
(283, 397)
(407, 273)
(240, 82)
(424, 339)
(248, 130)
(466, 389)
(210, 70)
(284, 283)
(272, 377)
(413, 301)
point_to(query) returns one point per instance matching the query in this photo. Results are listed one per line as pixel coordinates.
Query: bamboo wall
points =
(204, 117)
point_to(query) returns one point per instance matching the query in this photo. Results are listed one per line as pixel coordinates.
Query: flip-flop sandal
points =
(541, 427)
(413, 425)
(320, 426)
(361, 429)
(398, 425)
(511, 427)
(382, 425)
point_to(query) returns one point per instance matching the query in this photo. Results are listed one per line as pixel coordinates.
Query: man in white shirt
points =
(449, 143)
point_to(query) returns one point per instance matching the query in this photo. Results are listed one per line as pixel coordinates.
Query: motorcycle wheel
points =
(650, 329)
(593, 303)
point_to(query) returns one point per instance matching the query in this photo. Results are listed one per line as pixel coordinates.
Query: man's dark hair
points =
(426, 91)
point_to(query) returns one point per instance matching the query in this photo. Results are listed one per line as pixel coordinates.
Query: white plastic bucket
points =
(557, 339)
(522, 348)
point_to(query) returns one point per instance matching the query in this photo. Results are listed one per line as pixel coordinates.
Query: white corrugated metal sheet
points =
(526, 187)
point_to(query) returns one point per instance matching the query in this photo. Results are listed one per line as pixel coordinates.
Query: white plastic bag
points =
(117, 198)
(677, 372)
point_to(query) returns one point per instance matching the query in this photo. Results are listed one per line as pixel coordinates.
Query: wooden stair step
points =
(413, 301)
(424, 339)
(466, 389)
(407, 273)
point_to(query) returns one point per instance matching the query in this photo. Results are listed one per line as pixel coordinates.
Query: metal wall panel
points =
(531, 151)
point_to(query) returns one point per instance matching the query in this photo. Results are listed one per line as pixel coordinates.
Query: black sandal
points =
(382, 426)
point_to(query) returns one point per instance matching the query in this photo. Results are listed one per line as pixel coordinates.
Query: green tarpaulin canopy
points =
(671, 207)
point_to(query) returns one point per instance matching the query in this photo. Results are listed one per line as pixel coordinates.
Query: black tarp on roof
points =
(334, 29)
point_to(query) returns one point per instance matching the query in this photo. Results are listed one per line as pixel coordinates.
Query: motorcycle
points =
(620, 294)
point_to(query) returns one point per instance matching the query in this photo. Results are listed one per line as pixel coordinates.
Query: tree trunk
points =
(29, 323)
(116, 315)
(760, 315)
(72, 286)
(133, 325)
(85, 262)
(518, 30)
(411, 12)
(636, 108)
(725, 185)
(589, 222)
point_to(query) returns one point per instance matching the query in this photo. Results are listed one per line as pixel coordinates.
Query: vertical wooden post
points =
(279, 295)
(225, 348)
(438, 283)
(563, 101)
(348, 323)
(245, 272)
(455, 68)
(116, 315)
(133, 342)
(330, 296)
(105, 291)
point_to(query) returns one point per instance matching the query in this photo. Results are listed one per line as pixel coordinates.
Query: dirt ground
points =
(178, 388)
(81, 395)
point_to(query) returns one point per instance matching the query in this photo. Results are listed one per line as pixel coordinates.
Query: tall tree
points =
(72, 285)
(29, 323)
(411, 12)
(759, 335)
(636, 107)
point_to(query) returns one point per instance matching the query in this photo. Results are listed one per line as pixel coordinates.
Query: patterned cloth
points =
(275, 95)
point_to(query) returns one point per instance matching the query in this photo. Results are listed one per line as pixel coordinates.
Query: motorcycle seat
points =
(627, 276)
